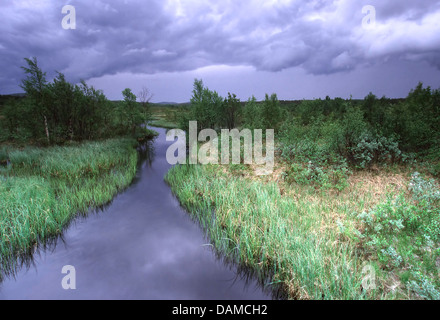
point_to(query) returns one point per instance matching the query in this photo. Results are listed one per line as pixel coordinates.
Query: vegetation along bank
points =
(65, 149)
(352, 208)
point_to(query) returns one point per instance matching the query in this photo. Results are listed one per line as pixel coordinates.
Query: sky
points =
(296, 49)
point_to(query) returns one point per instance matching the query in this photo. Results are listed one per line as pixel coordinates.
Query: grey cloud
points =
(151, 36)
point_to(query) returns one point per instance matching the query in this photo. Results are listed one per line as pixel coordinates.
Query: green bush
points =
(326, 177)
(423, 286)
(416, 120)
(371, 149)
(404, 234)
(426, 190)
(435, 169)
(267, 114)
(271, 112)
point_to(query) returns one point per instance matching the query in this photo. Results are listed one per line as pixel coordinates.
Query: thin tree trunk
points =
(47, 129)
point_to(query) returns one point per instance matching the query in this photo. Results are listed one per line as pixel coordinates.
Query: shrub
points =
(423, 286)
(271, 112)
(424, 189)
(326, 177)
(371, 149)
(405, 233)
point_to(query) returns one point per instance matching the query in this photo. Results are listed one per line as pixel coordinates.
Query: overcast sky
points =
(297, 49)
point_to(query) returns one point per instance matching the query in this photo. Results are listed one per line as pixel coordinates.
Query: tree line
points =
(360, 132)
(212, 111)
(59, 111)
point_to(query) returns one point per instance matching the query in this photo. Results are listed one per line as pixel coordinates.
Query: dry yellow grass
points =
(366, 187)
(364, 191)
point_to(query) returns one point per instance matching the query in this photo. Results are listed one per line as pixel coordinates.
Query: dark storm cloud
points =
(323, 37)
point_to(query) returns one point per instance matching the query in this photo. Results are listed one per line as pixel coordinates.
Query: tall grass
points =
(41, 190)
(284, 238)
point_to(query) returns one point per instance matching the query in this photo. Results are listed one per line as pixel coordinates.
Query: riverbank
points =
(318, 243)
(120, 252)
(43, 189)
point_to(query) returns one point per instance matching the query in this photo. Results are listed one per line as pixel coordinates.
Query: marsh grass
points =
(41, 190)
(290, 235)
(284, 240)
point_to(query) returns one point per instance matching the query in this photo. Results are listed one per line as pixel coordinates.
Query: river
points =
(142, 245)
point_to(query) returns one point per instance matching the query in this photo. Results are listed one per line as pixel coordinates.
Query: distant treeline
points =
(412, 122)
(58, 111)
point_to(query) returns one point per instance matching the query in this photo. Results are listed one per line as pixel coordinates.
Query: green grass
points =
(165, 116)
(163, 124)
(315, 242)
(284, 239)
(43, 189)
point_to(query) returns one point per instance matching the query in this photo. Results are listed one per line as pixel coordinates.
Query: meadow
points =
(352, 208)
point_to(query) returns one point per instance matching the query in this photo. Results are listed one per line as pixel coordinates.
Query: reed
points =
(41, 190)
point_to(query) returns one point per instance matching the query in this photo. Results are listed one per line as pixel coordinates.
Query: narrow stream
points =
(142, 245)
